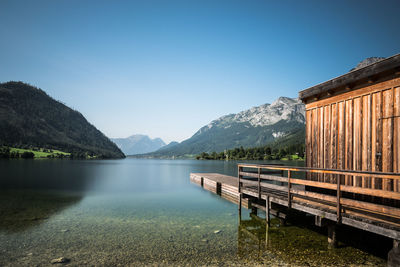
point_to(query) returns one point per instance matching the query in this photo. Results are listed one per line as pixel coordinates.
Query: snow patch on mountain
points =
(278, 134)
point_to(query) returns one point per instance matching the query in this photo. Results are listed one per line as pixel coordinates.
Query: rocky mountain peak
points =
(366, 62)
(284, 108)
(285, 100)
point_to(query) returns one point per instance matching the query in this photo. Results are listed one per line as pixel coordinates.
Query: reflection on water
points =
(294, 245)
(252, 239)
(60, 175)
(20, 210)
(140, 212)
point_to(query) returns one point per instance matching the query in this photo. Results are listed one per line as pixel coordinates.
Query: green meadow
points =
(41, 152)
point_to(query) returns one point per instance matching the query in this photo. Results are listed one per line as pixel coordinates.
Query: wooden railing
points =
(358, 199)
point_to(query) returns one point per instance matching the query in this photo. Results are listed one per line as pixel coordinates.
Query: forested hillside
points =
(29, 118)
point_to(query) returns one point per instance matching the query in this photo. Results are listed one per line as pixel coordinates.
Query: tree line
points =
(5, 152)
(291, 152)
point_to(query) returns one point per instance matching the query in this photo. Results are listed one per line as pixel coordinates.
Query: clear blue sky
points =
(166, 68)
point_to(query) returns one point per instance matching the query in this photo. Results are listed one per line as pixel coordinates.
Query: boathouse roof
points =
(353, 80)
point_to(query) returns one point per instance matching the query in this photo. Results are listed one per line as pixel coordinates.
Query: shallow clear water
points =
(142, 212)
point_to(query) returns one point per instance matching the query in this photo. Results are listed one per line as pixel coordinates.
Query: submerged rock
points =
(60, 260)
(217, 231)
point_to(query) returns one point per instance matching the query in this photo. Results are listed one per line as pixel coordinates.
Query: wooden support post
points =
(240, 205)
(266, 235)
(289, 196)
(259, 183)
(239, 170)
(332, 238)
(219, 188)
(254, 210)
(267, 211)
(321, 222)
(338, 206)
(394, 254)
(318, 221)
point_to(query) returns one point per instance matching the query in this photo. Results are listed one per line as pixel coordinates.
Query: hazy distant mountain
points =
(31, 118)
(138, 144)
(283, 120)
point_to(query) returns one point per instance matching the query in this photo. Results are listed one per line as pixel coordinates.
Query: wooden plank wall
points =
(396, 135)
(357, 130)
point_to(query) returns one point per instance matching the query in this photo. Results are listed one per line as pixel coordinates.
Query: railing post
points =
(338, 206)
(289, 186)
(239, 175)
(259, 183)
(240, 205)
(267, 210)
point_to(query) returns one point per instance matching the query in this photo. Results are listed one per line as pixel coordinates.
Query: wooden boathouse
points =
(353, 123)
(352, 173)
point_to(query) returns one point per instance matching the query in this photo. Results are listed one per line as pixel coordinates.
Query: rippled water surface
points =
(142, 212)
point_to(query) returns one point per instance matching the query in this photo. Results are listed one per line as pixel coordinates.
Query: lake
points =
(143, 212)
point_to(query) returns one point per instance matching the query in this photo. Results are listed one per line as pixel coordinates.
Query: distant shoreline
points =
(7, 152)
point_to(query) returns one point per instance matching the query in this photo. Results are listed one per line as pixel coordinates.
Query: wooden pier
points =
(220, 184)
(352, 157)
(332, 204)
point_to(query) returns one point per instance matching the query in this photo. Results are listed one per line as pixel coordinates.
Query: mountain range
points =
(279, 123)
(31, 118)
(138, 144)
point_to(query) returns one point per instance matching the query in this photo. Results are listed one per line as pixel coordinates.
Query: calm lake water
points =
(143, 212)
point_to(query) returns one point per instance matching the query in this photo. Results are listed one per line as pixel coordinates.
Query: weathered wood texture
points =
(357, 130)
